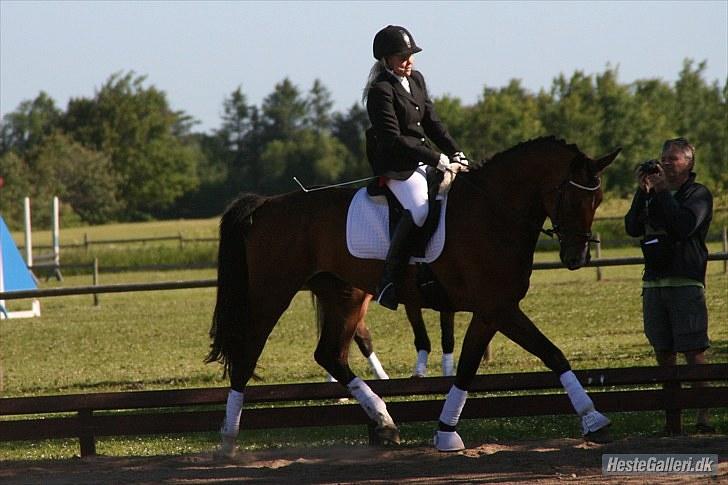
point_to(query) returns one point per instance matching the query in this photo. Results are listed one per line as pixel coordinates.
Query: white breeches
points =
(412, 194)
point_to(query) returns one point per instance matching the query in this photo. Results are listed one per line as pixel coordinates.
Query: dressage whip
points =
(351, 182)
(330, 186)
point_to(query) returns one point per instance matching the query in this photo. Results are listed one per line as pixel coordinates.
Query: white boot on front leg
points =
(450, 415)
(448, 441)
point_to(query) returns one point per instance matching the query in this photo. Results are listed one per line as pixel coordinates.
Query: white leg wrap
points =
(579, 399)
(377, 366)
(233, 410)
(421, 364)
(454, 403)
(370, 402)
(231, 425)
(593, 421)
(448, 365)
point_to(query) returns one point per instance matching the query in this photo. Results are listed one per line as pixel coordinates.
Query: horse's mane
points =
(523, 146)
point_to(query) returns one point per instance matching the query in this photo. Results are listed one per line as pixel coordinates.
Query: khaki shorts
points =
(676, 318)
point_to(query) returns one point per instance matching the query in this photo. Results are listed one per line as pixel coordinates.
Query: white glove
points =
(443, 164)
(460, 158)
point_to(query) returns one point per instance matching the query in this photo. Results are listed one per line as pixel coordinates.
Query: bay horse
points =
(270, 247)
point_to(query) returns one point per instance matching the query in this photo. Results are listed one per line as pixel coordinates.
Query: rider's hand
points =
(460, 158)
(443, 164)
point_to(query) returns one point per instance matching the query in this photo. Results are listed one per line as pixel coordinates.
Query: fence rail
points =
(154, 412)
(208, 283)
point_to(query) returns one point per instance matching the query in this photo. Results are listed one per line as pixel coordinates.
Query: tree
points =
(318, 107)
(143, 137)
(29, 124)
(82, 178)
(16, 185)
(349, 129)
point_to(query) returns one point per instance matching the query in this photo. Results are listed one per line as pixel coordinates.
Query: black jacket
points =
(401, 125)
(685, 217)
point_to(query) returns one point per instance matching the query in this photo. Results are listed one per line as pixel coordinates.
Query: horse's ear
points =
(598, 165)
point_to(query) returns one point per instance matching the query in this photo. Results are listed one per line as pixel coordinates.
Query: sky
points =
(199, 52)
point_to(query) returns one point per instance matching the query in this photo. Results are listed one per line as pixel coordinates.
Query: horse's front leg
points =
(342, 310)
(521, 330)
(477, 338)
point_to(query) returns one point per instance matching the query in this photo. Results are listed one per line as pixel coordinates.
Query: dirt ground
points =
(549, 461)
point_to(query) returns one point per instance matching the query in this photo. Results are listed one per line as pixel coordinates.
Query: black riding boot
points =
(396, 263)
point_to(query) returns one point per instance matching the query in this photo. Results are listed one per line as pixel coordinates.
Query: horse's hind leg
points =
(447, 339)
(263, 317)
(422, 340)
(520, 329)
(342, 309)
(363, 339)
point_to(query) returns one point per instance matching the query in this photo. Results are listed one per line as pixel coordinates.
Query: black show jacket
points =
(402, 126)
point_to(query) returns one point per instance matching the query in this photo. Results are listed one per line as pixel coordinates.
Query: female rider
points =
(403, 122)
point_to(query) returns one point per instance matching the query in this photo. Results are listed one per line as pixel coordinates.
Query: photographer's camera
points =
(649, 167)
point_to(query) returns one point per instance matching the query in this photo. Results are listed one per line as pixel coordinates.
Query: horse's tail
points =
(231, 312)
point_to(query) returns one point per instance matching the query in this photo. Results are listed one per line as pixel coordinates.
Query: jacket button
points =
(418, 124)
(422, 139)
(417, 108)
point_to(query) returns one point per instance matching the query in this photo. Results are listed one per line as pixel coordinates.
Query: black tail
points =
(231, 309)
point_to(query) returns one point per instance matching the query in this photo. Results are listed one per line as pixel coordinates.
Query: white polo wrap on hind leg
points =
(233, 410)
(377, 366)
(591, 419)
(370, 402)
(448, 365)
(421, 363)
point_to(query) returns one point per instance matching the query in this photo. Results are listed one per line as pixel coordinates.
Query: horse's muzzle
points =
(574, 256)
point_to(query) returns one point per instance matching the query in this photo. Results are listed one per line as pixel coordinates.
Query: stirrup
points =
(388, 297)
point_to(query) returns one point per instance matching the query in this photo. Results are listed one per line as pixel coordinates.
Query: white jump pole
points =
(28, 234)
(56, 233)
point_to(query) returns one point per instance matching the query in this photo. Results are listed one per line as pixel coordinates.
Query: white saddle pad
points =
(367, 229)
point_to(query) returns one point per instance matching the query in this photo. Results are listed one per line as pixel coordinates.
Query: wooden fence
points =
(313, 404)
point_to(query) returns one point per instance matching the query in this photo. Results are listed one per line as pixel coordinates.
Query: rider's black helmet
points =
(392, 40)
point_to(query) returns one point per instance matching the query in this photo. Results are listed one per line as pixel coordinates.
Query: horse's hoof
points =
(226, 449)
(600, 436)
(385, 436)
(448, 441)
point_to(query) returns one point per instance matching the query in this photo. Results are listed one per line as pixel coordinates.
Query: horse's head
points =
(571, 207)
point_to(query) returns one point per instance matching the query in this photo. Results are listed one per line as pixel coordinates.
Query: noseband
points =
(556, 229)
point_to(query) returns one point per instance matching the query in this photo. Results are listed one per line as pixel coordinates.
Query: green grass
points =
(157, 340)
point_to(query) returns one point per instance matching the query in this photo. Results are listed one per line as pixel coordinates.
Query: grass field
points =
(157, 340)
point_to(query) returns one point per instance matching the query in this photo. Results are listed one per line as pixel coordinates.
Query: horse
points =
(270, 247)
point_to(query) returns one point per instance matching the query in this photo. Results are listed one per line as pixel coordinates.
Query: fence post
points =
(599, 256)
(725, 248)
(180, 239)
(86, 242)
(96, 280)
(28, 233)
(85, 434)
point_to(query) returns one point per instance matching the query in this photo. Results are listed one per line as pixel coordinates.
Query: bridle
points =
(556, 229)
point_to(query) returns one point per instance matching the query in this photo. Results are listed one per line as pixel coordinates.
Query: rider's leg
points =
(412, 194)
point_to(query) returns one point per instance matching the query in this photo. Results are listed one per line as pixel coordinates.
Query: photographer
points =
(672, 213)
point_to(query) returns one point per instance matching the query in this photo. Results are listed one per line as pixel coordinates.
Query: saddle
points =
(371, 242)
(421, 235)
